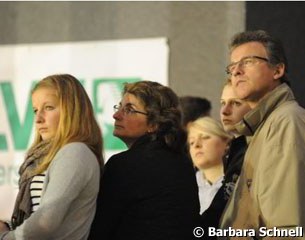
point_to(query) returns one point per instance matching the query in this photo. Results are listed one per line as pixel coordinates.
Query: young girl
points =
(59, 179)
(208, 143)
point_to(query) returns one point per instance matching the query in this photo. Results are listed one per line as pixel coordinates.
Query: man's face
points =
(253, 80)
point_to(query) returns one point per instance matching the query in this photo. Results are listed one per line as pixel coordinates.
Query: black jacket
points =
(148, 192)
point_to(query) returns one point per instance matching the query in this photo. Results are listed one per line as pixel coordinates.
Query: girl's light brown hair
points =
(77, 122)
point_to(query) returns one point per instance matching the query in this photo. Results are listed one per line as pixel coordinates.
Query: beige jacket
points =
(271, 189)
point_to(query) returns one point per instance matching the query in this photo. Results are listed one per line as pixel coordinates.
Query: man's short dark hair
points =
(193, 108)
(274, 47)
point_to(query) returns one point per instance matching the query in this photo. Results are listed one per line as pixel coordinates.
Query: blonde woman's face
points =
(206, 150)
(46, 109)
(232, 109)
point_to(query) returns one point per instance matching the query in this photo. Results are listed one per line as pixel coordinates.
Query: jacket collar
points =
(253, 119)
(148, 138)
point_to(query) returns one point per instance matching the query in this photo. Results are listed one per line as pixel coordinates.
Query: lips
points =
(118, 126)
(240, 81)
(226, 121)
(199, 154)
(42, 129)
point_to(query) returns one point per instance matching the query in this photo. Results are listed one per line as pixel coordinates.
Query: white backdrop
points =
(101, 66)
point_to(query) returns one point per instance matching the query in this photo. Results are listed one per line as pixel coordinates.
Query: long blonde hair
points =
(77, 122)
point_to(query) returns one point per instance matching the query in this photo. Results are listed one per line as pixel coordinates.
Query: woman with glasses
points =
(149, 191)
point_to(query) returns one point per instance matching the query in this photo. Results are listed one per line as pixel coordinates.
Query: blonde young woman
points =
(231, 112)
(208, 143)
(59, 179)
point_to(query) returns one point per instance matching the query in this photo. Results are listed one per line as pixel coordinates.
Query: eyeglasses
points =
(244, 62)
(127, 110)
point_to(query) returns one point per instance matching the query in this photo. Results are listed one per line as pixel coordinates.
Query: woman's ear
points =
(152, 128)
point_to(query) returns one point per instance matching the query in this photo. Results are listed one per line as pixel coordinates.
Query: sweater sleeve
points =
(68, 174)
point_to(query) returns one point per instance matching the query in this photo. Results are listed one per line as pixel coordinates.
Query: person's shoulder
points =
(288, 112)
(76, 152)
(138, 156)
(285, 123)
(119, 159)
(75, 148)
(122, 167)
(75, 145)
(119, 155)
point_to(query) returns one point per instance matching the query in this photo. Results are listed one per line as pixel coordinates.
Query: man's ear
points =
(279, 71)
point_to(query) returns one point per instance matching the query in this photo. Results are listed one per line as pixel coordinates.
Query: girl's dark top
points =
(148, 192)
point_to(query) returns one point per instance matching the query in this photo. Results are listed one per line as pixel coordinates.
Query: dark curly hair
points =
(163, 108)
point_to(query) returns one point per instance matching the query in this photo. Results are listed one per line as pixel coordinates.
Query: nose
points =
(117, 115)
(225, 109)
(39, 117)
(198, 143)
(238, 69)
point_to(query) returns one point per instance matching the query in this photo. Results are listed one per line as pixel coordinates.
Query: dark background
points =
(286, 21)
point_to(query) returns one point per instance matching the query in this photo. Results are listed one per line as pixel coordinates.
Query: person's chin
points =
(227, 127)
(45, 137)
(244, 94)
(115, 133)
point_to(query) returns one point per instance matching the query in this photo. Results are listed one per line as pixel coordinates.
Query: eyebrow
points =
(230, 99)
(130, 105)
(47, 102)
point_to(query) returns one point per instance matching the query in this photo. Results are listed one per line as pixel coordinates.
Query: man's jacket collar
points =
(253, 119)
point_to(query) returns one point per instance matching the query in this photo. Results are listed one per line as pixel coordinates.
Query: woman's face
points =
(129, 125)
(46, 109)
(232, 109)
(206, 150)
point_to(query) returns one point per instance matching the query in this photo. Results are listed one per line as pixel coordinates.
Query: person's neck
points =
(129, 142)
(213, 174)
